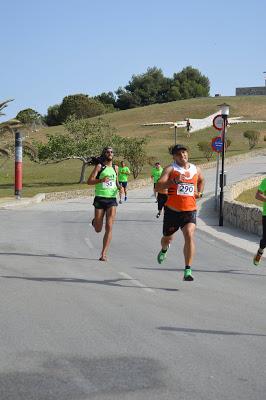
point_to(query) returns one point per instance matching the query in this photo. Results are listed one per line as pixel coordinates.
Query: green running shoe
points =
(188, 275)
(162, 256)
(257, 258)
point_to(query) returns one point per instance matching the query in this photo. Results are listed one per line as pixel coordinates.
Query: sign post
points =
(224, 115)
(18, 164)
(217, 145)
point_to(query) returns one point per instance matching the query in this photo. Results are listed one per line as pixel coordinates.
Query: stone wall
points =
(242, 215)
(82, 193)
(251, 91)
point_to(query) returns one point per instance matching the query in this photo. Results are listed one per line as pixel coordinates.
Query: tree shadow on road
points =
(118, 282)
(208, 331)
(47, 256)
(220, 271)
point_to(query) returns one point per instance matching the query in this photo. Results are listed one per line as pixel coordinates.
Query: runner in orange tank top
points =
(185, 184)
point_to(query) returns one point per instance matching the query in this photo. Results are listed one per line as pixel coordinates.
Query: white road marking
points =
(89, 244)
(136, 282)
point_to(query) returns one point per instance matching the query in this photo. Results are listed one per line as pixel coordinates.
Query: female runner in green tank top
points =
(105, 178)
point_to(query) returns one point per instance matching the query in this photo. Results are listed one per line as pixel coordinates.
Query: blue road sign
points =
(217, 144)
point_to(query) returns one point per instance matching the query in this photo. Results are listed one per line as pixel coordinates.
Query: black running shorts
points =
(102, 203)
(124, 184)
(173, 220)
(161, 199)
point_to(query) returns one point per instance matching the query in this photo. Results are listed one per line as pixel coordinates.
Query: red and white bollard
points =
(18, 165)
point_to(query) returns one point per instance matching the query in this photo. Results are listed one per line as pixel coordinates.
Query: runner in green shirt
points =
(261, 195)
(123, 172)
(156, 172)
(104, 177)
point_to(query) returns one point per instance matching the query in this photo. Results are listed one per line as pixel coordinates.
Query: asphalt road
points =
(74, 328)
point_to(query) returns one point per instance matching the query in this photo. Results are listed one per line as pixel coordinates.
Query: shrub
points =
(253, 138)
(228, 143)
(206, 149)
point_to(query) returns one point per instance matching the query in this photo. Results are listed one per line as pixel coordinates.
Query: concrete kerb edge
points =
(38, 198)
(249, 245)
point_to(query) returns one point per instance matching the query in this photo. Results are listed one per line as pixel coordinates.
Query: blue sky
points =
(54, 48)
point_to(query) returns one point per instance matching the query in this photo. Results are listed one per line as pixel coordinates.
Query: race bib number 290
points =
(185, 189)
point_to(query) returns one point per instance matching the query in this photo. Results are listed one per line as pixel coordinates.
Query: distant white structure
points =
(201, 123)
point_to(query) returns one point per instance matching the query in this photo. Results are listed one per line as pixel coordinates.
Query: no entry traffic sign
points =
(218, 122)
(217, 144)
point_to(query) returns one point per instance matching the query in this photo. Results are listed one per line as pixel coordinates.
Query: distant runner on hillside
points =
(123, 173)
(185, 184)
(104, 177)
(261, 195)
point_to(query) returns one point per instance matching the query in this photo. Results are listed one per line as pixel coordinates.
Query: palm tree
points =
(11, 125)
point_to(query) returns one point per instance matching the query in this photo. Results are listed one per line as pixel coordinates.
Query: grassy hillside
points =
(128, 123)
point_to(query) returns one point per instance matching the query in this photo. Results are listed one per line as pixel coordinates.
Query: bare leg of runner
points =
(189, 249)
(110, 216)
(189, 246)
(97, 222)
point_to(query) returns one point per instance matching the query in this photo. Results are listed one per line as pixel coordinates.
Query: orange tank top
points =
(181, 195)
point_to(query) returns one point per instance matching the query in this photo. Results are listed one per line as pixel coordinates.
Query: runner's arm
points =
(260, 196)
(164, 182)
(119, 187)
(92, 180)
(200, 183)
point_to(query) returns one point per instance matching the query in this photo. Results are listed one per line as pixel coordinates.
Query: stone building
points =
(251, 91)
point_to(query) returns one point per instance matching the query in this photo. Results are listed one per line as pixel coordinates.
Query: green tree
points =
(252, 137)
(135, 153)
(83, 141)
(106, 98)
(206, 149)
(28, 116)
(52, 117)
(126, 100)
(150, 87)
(80, 106)
(191, 83)
(153, 87)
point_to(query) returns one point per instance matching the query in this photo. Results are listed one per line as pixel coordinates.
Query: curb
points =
(38, 198)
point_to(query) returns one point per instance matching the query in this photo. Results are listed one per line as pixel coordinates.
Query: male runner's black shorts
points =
(263, 239)
(173, 220)
(124, 184)
(102, 203)
(161, 199)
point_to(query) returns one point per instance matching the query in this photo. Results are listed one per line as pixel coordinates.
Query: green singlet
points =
(122, 174)
(107, 189)
(262, 188)
(156, 173)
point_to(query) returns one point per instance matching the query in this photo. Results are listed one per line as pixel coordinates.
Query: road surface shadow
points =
(105, 282)
(71, 377)
(221, 271)
(47, 256)
(208, 331)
